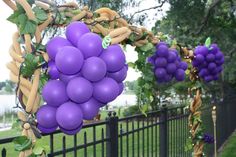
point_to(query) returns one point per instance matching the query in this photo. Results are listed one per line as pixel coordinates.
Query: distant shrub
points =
(131, 110)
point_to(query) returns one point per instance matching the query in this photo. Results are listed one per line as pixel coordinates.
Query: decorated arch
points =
(64, 80)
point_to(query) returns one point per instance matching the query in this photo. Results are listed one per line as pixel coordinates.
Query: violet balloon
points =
(160, 62)
(75, 31)
(69, 60)
(53, 71)
(79, 90)
(54, 93)
(171, 56)
(72, 132)
(106, 90)
(54, 45)
(66, 78)
(46, 116)
(114, 58)
(160, 73)
(90, 108)
(90, 44)
(121, 87)
(46, 130)
(94, 69)
(69, 116)
(171, 68)
(120, 75)
(162, 51)
(180, 75)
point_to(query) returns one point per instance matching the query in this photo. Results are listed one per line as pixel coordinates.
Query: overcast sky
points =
(7, 29)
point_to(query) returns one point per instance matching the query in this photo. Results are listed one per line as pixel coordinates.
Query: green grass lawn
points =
(230, 148)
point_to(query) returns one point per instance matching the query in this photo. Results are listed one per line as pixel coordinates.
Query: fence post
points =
(163, 133)
(4, 152)
(112, 134)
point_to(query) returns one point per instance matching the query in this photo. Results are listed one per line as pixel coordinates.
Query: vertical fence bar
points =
(64, 146)
(85, 144)
(152, 136)
(121, 141)
(163, 132)
(148, 136)
(156, 146)
(143, 142)
(51, 145)
(75, 145)
(94, 139)
(127, 138)
(138, 135)
(4, 152)
(132, 138)
(103, 143)
(112, 134)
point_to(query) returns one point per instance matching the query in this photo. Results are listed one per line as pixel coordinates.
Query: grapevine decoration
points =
(83, 71)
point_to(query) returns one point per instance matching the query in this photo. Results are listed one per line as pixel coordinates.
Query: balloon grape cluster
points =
(208, 61)
(83, 78)
(167, 64)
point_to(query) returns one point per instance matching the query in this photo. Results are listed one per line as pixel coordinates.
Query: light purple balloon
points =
(94, 69)
(171, 68)
(90, 44)
(160, 73)
(46, 116)
(90, 108)
(54, 45)
(160, 62)
(79, 90)
(72, 132)
(120, 75)
(183, 65)
(69, 116)
(203, 50)
(46, 130)
(162, 50)
(52, 70)
(114, 58)
(106, 90)
(121, 87)
(75, 31)
(171, 56)
(54, 93)
(69, 60)
(66, 78)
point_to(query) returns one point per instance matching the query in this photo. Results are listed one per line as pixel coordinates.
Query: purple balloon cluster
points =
(167, 64)
(83, 78)
(208, 62)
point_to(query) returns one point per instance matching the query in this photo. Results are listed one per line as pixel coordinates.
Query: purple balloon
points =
(53, 71)
(46, 116)
(220, 62)
(106, 90)
(119, 76)
(208, 78)
(171, 68)
(203, 72)
(160, 73)
(79, 90)
(69, 116)
(211, 66)
(66, 78)
(171, 56)
(114, 58)
(168, 78)
(183, 65)
(199, 58)
(160, 62)
(214, 48)
(151, 59)
(161, 43)
(72, 132)
(90, 108)
(75, 31)
(90, 45)
(210, 57)
(219, 55)
(69, 60)
(180, 75)
(54, 45)
(219, 69)
(54, 93)
(94, 69)
(46, 130)
(121, 87)
(162, 51)
(203, 50)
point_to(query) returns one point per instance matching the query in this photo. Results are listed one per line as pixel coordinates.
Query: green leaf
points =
(22, 143)
(40, 14)
(188, 145)
(29, 27)
(147, 47)
(13, 17)
(208, 42)
(40, 147)
(43, 80)
(144, 109)
(33, 155)
(29, 65)
(132, 65)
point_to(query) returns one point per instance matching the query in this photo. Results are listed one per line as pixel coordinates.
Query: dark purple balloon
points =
(106, 90)
(46, 130)
(121, 87)
(220, 62)
(160, 62)
(53, 71)
(94, 69)
(69, 116)
(219, 69)
(180, 75)
(203, 72)
(211, 66)
(168, 78)
(79, 90)
(199, 58)
(161, 43)
(67, 78)
(219, 55)
(90, 108)
(54, 45)
(160, 73)
(46, 116)
(208, 78)
(215, 77)
(171, 68)
(183, 65)
(162, 51)
(171, 56)
(119, 76)
(72, 132)
(69, 60)
(151, 59)
(214, 48)
(203, 50)
(90, 45)
(75, 31)
(210, 57)
(54, 93)
(114, 58)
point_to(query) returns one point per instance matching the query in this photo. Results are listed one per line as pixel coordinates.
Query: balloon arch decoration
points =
(84, 70)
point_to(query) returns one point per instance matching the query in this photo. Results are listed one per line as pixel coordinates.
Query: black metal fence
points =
(159, 134)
